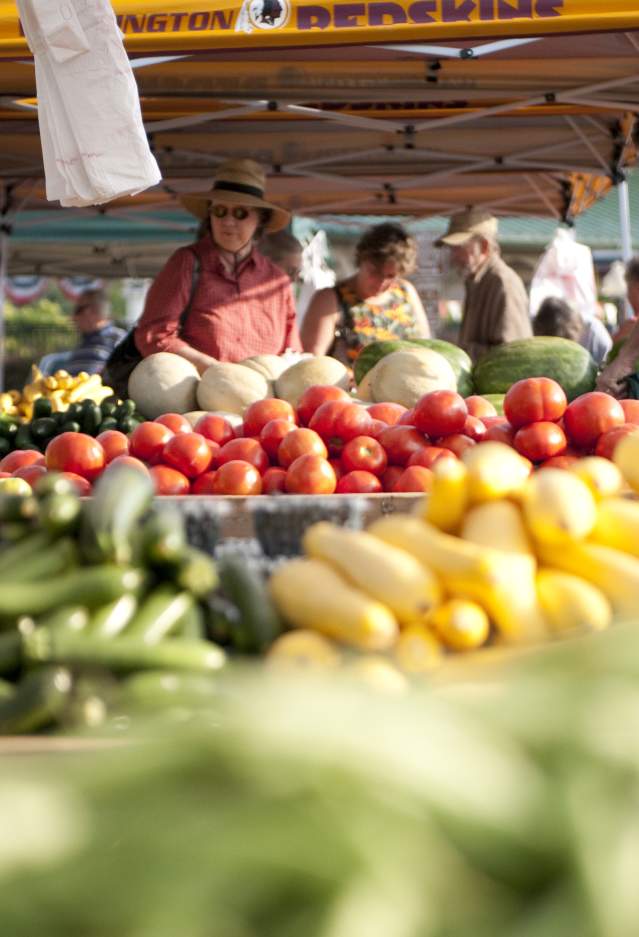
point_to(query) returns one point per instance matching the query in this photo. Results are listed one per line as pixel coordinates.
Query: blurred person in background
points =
(496, 304)
(557, 317)
(375, 304)
(98, 334)
(631, 276)
(285, 251)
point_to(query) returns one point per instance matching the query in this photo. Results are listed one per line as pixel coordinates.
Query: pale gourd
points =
(232, 387)
(310, 372)
(269, 366)
(405, 376)
(195, 415)
(365, 386)
(164, 383)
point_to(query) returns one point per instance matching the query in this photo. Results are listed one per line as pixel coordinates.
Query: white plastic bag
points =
(566, 270)
(93, 140)
(315, 274)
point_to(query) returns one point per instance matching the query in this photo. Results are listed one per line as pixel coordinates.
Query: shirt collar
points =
(206, 248)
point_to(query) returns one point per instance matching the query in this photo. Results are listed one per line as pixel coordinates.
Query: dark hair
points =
(388, 241)
(557, 317)
(632, 270)
(276, 246)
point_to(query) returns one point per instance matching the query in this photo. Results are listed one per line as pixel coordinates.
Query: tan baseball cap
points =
(465, 225)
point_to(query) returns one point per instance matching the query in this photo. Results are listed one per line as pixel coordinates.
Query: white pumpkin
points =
(232, 387)
(405, 376)
(164, 383)
(307, 373)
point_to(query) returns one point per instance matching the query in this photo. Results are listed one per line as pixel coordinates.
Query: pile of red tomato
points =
(331, 444)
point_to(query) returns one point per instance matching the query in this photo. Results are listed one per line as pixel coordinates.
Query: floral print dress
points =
(389, 318)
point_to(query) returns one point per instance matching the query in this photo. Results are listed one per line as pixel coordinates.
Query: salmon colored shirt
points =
(232, 316)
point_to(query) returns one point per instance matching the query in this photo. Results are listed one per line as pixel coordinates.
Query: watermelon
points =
(566, 362)
(456, 357)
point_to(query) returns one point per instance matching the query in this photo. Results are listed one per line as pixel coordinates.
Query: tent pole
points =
(626, 234)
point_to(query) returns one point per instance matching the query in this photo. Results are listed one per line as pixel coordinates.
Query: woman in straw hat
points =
(237, 302)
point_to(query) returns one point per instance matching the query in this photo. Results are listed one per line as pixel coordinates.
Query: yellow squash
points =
(571, 602)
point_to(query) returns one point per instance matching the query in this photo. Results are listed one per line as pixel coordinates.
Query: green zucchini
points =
(24, 551)
(16, 508)
(192, 625)
(89, 586)
(39, 700)
(68, 618)
(55, 483)
(90, 417)
(10, 651)
(42, 408)
(158, 688)
(54, 560)
(163, 538)
(197, 573)
(60, 513)
(259, 623)
(110, 620)
(161, 614)
(121, 498)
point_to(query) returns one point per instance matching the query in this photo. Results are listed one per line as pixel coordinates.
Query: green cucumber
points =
(90, 417)
(197, 573)
(156, 689)
(161, 614)
(163, 537)
(111, 620)
(122, 654)
(192, 626)
(259, 623)
(23, 551)
(17, 508)
(55, 560)
(121, 498)
(42, 408)
(60, 513)
(89, 586)
(564, 361)
(39, 700)
(55, 483)
(68, 618)
(10, 651)
(43, 429)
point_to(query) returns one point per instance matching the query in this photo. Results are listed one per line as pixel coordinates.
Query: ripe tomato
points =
(175, 422)
(272, 435)
(262, 412)
(338, 468)
(297, 443)
(237, 477)
(243, 450)
(590, 415)
(310, 475)
(534, 400)
(358, 483)
(400, 442)
(83, 486)
(407, 419)
(168, 481)
(500, 431)
(474, 428)
(129, 460)
(189, 453)
(479, 406)
(560, 461)
(456, 443)
(30, 473)
(387, 412)
(314, 397)
(338, 422)
(540, 441)
(147, 441)
(631, 410)
(376, 428)
(215, 427)
(390, 476)
(274, 481)
(441, 413)
(114, 444)
(204, 484)
(78, 453)
(20, 458)
(414, 478)
(607, 441)
(427, 456)
(364, 453)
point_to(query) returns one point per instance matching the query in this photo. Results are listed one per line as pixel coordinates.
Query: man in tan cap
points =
(496, 304)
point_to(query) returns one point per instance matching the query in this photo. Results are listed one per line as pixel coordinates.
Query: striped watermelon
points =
(566, 362)
(456, 357)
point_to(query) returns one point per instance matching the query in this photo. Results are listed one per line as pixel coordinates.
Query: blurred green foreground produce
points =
(502, 804)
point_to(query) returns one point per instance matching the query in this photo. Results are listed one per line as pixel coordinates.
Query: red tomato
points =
(314, 397)
(215, 427)
(337, 422)
(358, 483)
(237, 477)
(500, 431)
(427, 456)
(590, 415)
(540, 441)
(175, 422)
(78, 453)
(607, 442)
(83, 486)
(168, 481)
(20, 458)
(457, 443)
(401, 442)
(407, 419)
(261, 412)
(272, 435)
(114, 444)
(390, 476)
(631, 410)
(387, 412)
(274, 481)
(479, 406)
(129, 460)
(204, 484)
(364, 453)
(474, 428)
(441, 413)
(338, 468)
(297, 443)
(189, 453)
(5, 474)
(534, 400)
(414, 478)
(310, 475)
(376, 428)
(147, 441)
(559, 461)
(243, 450)
(30, 473)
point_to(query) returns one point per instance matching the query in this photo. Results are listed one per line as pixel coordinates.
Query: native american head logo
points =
(263, 14)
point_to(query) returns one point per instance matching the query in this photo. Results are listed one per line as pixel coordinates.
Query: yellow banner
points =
(157, 26)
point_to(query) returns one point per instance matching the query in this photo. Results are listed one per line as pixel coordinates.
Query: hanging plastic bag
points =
(315, 274)
(566, 270)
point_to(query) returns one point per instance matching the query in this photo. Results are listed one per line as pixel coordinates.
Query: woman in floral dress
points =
(375, 304)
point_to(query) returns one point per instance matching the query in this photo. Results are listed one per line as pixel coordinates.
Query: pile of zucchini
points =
(85, 416)
(96, 591)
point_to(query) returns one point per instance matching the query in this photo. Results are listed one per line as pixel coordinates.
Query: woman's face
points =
(375, 278)
(233, 225)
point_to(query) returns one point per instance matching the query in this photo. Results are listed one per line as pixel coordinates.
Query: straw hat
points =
(466, 224)
(241, 182)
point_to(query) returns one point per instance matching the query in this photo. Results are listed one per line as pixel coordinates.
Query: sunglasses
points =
(239, 213)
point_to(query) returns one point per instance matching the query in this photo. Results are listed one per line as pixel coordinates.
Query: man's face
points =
(86, 317)
(468, 257)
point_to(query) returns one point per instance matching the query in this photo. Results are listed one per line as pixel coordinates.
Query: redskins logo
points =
(269, 14)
